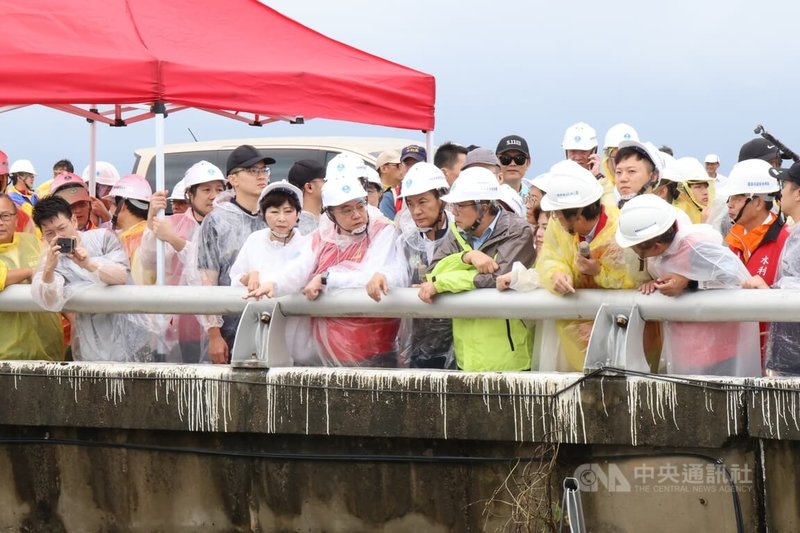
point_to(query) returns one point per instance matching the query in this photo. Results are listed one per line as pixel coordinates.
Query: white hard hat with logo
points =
(751, 176)
(104, 173)
(22, 165)
(618, 133)
(570, 186)
(342, 189)
(512, 199)
(579, 136)
(132, 187)
(345, 164)
(423, 177)
(202, 172)
(643, 218)
(282, 185)
(473, 185)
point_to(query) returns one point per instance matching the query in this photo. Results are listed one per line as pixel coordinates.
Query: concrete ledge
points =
(522, 407)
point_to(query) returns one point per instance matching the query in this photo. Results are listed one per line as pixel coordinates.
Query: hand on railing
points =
(377, 286)
(265, 289)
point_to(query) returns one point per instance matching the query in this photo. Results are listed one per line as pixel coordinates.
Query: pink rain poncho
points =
(706, 348)
(185, 339)
(350, 261)
(97, 336)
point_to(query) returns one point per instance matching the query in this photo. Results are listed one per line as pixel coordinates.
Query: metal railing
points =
(701, 306)
(260, 339)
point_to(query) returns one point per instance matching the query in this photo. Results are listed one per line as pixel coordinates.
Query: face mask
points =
(280, 235)
(359, 230)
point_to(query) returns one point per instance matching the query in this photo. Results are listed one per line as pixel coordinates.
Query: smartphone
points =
(66, 244)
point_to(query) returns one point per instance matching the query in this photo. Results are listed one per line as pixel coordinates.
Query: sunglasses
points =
(506, 160)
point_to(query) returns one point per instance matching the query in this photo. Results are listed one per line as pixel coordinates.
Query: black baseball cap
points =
(787, 174)
(513, 142)
(305, 171)
(246, 156)
(759, 148)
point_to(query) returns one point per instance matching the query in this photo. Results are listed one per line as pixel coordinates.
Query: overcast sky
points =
(695, 75)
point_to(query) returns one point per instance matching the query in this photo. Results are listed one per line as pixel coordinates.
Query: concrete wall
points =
(168, 448)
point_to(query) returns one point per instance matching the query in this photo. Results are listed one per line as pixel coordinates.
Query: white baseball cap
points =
(712, 158)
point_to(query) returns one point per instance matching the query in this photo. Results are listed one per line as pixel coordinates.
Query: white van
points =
(284, 150)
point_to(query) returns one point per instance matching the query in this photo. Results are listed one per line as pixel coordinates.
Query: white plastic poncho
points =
(222, 234)
(783, 338)
(96, 336)
(269, 258)
(424, 342)
(706, 348)
(185, 339)
(350, 261)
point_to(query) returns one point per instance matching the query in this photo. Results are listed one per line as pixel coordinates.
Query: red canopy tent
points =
(237, 58)
(238, 55)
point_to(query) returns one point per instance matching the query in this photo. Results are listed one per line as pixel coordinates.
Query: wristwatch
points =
(324, 277)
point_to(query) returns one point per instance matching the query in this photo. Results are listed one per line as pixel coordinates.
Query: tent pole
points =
(429, 145)
(160, 114)
(92, 155)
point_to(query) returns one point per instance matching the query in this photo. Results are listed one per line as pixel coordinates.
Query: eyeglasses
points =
(352, 210)
(256, 171)
(5, 217)
(462, 205)
(506, 160)
(531, 200)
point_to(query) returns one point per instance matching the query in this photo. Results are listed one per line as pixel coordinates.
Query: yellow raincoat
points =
(27, 335)
(131, 239)
(687, 205)
(619, 269)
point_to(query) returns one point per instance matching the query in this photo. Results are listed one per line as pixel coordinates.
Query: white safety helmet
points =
(511, 199)
(345, 164)
(373, 176)
(666, 159)
(673, 172)
(693, 170)
(473, 184)
(570, 186)
(22, 165)
(540, 181)
(132, 187)
(618, 133)
(643, 218)
(579, 136)
(423, 177)
(751, 177)
(282, 185)
(179, 191)
(647, 149)
(104, 173)
(202, 172)
(340, 190)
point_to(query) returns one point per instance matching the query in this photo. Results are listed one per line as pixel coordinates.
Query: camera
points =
(66, 244)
